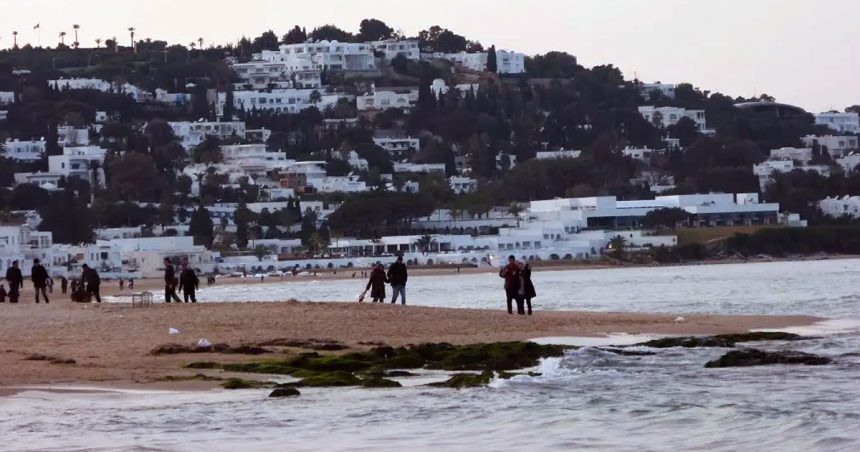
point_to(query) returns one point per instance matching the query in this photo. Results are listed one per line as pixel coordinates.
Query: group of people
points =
(397, 276)
(187, 283)
(518, 285)
(83, 289)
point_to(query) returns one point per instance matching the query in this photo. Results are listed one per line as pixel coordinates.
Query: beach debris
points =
(173, 331)
(754, 357)
(680, 320)
(722, 340)
(63, 361)
(285, 392)
(203, 343)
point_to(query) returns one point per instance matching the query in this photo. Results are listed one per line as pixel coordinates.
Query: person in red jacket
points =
(511, 274)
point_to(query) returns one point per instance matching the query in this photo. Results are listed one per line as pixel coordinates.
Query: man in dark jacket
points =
(188, 283)
(16, 282)
(39, 276)
(397, 275)
(64, 285)
(170, 283)
(511, 274)
(90, 277)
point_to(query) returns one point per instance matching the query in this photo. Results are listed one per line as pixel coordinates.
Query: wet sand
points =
(110, 344)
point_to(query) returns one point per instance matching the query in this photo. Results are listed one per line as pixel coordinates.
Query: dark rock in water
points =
(376, 382)
(203, 365)
(623, 352)
(247, 350)
(754, 357)
(285, 392)
(461, 381)
(722, 340)
(311, 344)
(398, 374)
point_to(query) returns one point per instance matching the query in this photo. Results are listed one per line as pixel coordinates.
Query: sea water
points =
(588, 399)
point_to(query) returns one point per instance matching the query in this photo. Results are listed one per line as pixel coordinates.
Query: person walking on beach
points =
(16, 282)
(188, 283)
(398, 275)
(50, 283)
(511, 274)
(130, 284)
(90, 277)
(376, 284)
(39, 276)
(2, 293)
(170, 282)
(527, 288)
(64, 285)
(121, 284)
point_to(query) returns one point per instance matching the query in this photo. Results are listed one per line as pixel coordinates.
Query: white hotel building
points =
(836, 145)
(192, 134)
(384, 98)
(669, 116)
(329, 55)
(287, 101)
(507, 62)
(392, 48)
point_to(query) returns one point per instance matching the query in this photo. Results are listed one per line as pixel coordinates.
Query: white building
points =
(507, 62)
(79, 162)
(104, 86)
(766, 170)
(191, 134)
(461, 185)
(392, 48)
(287, 101)
(385, 98)
(7, 98)
(643, 154)
(419, 168)
(397, 144)
(555, 155)
(665, 89)
(802, 155)
(346, 184)
(329, 55)
(839, 122)
(70, 136)
(439, 87)
(664, 117)
(840, 207)
(836, 145)
(177, 99)
(23, 244)
(24, 150)
(146, 255)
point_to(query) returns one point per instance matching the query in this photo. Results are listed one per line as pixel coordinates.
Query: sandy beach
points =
(110, 344)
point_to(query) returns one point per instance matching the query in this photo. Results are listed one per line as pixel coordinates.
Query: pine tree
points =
(492, 62)
(202, 227)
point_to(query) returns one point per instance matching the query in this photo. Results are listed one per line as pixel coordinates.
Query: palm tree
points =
(15, 38)
(98, 43)
(63, 38)
(515, 209)
(200, 41)
(425, 243)
(76, 27)
(131, 31)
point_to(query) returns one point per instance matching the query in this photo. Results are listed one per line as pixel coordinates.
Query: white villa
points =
(669, 116)
(396, 144)
(840, 122)
(836, 145)
(461, 185)
(192, 134)
(385, 98)
(666, 89)
(24, 150)
(392, 48)
(279, 100)
(507, 62)
(555, 155)
(23, 244)
(329, 55)
(840, 207)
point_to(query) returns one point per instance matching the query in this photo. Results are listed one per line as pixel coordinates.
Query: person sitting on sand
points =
(527, 288)
(511, 274)
(377, 283)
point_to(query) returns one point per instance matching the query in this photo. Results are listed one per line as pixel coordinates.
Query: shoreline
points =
(109, 346)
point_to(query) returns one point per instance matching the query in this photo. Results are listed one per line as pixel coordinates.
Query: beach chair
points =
(141, 299)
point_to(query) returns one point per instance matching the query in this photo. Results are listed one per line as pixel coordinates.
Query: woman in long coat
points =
(377, 283)
(527, 288)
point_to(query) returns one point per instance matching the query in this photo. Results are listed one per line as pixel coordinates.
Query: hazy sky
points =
(805, 52)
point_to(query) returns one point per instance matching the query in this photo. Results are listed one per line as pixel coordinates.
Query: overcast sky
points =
(805, 52)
